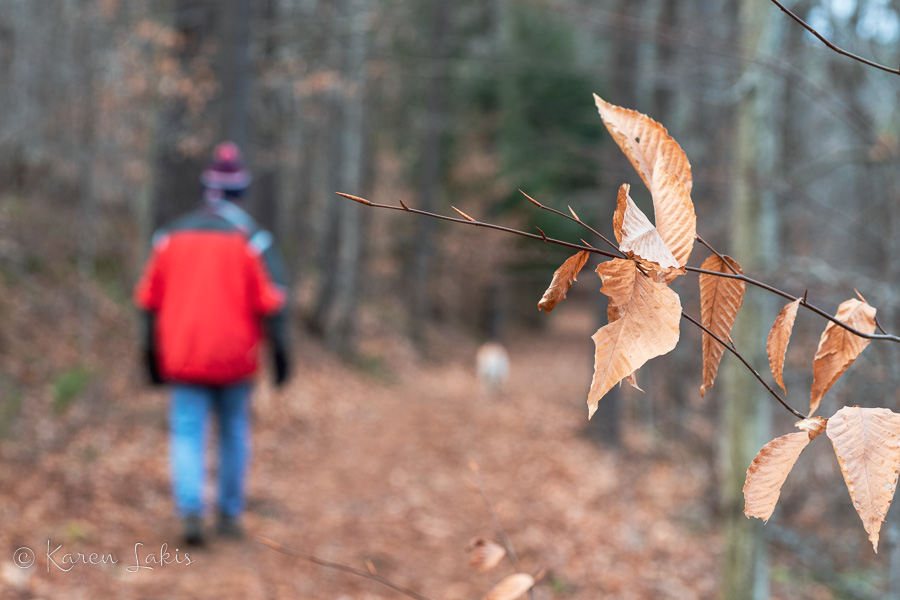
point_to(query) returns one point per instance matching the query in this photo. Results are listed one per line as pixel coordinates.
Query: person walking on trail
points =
(213, 288)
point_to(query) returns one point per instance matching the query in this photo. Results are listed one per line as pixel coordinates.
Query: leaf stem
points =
(733, 350)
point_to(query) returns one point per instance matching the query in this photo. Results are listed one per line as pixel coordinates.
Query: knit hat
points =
(226, 172)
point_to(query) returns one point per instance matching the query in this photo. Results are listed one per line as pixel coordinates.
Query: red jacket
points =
(209, 287)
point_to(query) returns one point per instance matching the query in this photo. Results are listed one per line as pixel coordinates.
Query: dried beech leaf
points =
(838, 348)
(562, 281)
(647, 314)
(777, 342)
(674, 213)
(632, 380)
(646, 143)
(867, 444)
(511, 587)
(768, 471)
(772, 464)
(637, 236)
(486, 554)
(814, 426)
(613, 314)
(720, 301)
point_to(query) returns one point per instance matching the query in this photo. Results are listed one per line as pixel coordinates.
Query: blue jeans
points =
(189, 411)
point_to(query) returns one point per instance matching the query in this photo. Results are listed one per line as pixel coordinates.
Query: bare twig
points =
(733, 350)
(498, 527)
(532, 236)
(339, 567)
(803, 302)
(716, 252)
(803, 299)
(573, 217)
(832, 46)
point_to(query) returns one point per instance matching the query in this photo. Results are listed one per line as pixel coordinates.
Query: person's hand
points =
(152, 364)
(282, 367)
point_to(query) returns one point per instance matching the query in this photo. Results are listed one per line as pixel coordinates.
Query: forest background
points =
(110, 109)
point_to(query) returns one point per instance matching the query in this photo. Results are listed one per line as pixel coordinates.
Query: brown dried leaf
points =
(613, 314)
(867, 444)
(637, 236)
(768, 471)
(647, 314)
(838, 348)
(674, 213)
(486, 554)
(814, 426)
(771, 466)
(777, 342)
(646, 143)
(720, 301)
(511, 587)
(562, 281)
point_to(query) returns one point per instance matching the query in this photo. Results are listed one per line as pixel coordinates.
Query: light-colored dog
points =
(492, 364)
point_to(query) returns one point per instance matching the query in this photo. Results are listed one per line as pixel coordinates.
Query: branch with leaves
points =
(644, 316)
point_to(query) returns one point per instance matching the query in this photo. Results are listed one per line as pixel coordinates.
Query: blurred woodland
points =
(110, 108)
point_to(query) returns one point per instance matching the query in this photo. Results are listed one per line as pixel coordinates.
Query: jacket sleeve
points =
(148, 297)
(273, 300)
(149, 290)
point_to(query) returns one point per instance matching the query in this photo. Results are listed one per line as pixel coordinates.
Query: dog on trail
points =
(492, 366)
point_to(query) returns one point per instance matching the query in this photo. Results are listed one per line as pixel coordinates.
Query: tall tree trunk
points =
(177, 187)
(606, 426)
(85, 47)
(432, 146)
(335, 315)
(234, 69)
(754, 241)
(144, 206)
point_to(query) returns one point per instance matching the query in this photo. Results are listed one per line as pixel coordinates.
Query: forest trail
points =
(373, 464)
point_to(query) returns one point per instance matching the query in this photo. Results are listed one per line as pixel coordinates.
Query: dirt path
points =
(353, 468)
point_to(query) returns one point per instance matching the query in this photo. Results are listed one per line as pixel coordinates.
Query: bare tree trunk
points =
(144, 207)
(606, 426)
(353, 140)
(754, 236)
(177, 187)
(85, 47)
(234, 69)
(335, 315)
(432, 150)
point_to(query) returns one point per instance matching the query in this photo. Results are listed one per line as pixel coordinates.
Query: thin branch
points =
(803, 299)
(832, 46)
(733, 350)
(716, 252)
(573, 217)
(803, 302)
(339, 567)
(532, 236)
(498, 527)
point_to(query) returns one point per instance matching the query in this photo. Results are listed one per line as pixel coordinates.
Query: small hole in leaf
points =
(638, 140)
